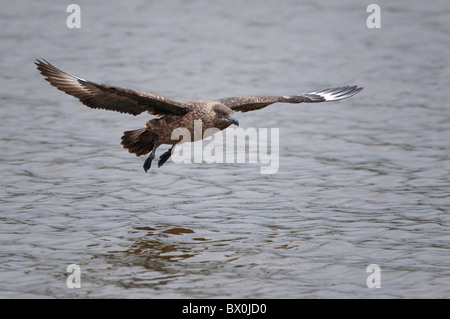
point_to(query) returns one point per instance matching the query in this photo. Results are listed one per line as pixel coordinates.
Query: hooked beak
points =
(233, 120)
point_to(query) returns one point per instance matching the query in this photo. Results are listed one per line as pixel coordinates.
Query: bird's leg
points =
(148, 161)
(163, 158)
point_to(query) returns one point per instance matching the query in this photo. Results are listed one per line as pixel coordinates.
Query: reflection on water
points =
(363, 181)
(154, 250)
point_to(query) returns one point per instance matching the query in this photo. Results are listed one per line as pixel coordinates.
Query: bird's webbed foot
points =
(164, 157)
(148, 161)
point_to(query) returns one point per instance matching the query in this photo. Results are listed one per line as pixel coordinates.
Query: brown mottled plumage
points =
(173, 114)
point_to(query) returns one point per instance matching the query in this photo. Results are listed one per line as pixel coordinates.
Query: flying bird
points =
(171, 114)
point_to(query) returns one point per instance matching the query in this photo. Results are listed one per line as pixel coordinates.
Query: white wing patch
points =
(335, 94)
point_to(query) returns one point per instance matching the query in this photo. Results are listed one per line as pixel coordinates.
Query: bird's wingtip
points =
(337, 93)
(38, 61)
(43, 64)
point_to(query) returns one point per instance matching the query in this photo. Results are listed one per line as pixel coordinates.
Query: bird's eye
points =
(221, 114)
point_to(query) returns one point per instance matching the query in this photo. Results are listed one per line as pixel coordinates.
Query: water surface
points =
(363, 181)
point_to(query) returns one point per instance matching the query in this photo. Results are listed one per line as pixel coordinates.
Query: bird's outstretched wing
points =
(251, 103)
(108, 97)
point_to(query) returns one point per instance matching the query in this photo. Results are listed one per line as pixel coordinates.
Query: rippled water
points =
(362, 181)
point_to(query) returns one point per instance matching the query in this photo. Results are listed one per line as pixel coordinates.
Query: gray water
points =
(361, 181)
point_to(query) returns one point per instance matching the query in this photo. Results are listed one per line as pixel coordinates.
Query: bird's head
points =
(223, 117)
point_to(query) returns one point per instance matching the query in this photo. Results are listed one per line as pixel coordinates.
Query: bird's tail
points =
(139, 142)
